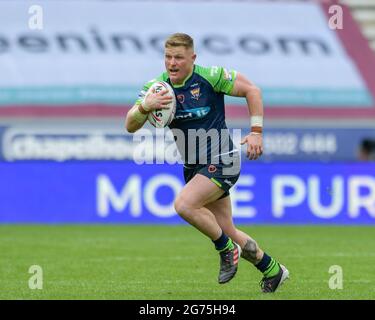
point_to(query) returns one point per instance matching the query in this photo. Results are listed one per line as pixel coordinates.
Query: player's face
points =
(179, 63)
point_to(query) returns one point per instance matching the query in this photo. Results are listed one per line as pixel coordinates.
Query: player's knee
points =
(250, 250)
(181, 206)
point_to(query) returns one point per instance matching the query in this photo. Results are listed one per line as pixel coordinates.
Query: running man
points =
(212, 169)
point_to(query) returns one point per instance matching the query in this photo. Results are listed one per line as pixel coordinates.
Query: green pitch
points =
(177, 262)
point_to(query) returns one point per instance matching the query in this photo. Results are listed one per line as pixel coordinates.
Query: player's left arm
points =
(243, 87)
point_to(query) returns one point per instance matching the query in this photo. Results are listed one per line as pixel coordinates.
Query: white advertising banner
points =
(103, 52)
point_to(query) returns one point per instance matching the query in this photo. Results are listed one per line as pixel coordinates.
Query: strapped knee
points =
(249, 251)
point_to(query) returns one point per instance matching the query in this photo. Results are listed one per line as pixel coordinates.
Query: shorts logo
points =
(195, 93)
(181, 98)
(229, 183)
(212, 168)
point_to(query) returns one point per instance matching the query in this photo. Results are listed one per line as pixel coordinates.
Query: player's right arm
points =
(137, 115)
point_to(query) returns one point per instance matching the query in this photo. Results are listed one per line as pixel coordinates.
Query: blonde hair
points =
(180, 39)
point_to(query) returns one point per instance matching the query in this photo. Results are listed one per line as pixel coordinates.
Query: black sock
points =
(263, 264)
(223, 242)
(268, 266)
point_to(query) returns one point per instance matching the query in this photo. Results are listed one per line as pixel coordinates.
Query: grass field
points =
(177, 262)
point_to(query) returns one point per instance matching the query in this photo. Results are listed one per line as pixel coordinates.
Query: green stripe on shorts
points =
(216, 182)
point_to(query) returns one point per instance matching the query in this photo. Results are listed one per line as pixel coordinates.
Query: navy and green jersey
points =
(200, 114)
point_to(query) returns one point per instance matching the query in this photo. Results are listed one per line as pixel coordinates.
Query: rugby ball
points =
(161, 118)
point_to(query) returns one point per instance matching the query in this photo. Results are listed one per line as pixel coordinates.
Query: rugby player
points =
(205, 202)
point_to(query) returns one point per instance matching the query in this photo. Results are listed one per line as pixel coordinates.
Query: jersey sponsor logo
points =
(181, 98)
(196, 93)
(194, 85)
(195, 113)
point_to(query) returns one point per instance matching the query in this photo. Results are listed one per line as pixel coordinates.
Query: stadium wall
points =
(66, 142)
(96, 64)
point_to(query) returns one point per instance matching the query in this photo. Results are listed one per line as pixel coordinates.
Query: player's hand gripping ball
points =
(161, 118)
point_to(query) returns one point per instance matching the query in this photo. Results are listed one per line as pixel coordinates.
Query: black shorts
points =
(224, 176)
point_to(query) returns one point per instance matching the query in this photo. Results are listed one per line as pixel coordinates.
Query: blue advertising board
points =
(124, 192)
(69, 142)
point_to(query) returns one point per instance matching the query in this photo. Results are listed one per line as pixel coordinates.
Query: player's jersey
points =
(200, 114)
